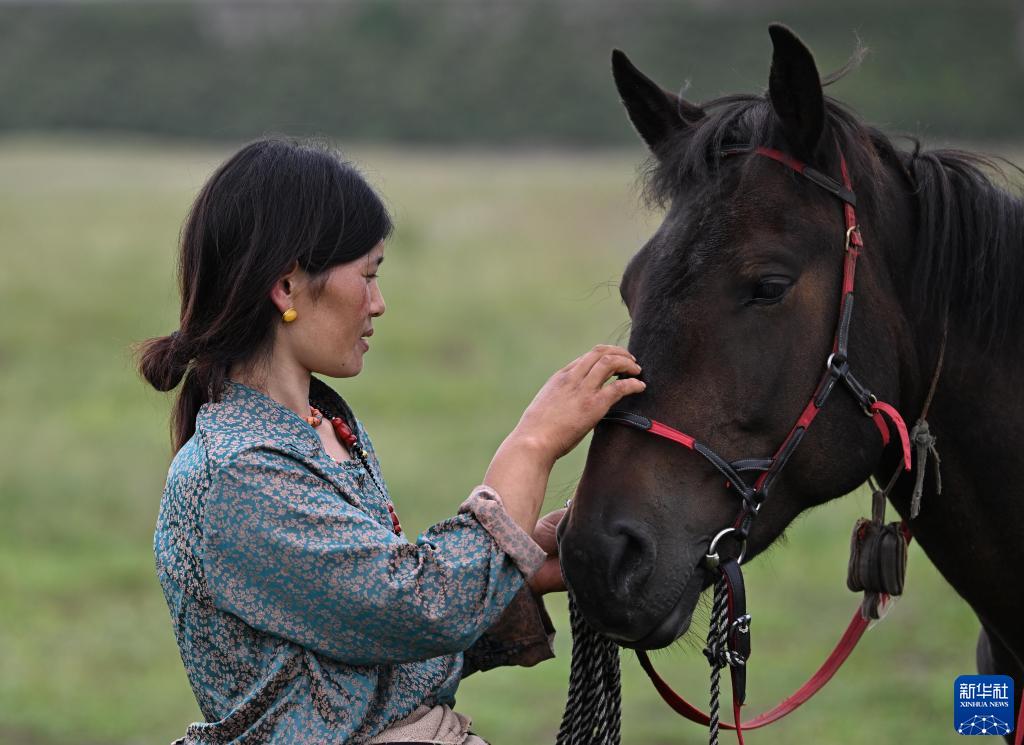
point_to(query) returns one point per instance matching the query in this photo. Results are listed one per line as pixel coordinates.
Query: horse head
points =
(734, 304)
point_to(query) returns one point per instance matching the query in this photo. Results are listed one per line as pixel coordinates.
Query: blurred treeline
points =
(479, 71)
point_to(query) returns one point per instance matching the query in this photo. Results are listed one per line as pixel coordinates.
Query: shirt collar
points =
(244, 409)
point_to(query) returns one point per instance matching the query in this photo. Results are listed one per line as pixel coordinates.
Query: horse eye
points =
(769, 290)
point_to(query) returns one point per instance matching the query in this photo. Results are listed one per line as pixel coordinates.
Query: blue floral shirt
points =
(300, 615)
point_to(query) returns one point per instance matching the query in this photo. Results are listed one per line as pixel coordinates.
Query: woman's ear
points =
(282, 294)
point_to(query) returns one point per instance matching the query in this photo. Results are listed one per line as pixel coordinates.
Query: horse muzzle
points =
(623, 588)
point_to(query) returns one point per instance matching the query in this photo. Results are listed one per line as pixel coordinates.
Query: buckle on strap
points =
(850, 231)
(742, 624)
(864, 397)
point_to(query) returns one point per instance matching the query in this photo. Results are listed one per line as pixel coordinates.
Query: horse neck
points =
(971, 530)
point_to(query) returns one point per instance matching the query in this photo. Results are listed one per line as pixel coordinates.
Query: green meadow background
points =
(504, 267)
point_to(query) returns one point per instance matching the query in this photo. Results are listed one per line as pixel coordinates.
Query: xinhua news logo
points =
(983, 705)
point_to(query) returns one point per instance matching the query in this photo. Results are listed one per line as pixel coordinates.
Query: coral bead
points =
(343, 432)
(394, 520)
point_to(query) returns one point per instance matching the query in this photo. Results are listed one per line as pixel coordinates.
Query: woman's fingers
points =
(548, 578)
(582, 366)
(544, 535)
(608, 365)
(619, 389)
(593, 353)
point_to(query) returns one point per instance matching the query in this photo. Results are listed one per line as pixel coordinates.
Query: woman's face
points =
(329, 335)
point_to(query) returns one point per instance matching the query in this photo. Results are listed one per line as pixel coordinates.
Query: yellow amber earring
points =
(289, 315)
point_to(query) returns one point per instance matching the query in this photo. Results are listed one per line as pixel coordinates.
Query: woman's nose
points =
(377, 304)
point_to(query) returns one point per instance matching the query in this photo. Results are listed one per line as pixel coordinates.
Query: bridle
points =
(729, 643)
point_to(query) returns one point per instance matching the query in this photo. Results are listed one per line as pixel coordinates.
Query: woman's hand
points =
(544, 535)
(575, 398)
(565, 409)
(549, 577)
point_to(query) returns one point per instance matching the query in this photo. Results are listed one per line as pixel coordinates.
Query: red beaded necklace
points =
(346, 436)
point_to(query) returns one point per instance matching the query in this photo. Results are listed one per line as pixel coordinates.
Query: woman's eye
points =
(769, 290)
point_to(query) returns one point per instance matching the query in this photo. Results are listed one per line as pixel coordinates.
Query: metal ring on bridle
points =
(872, 399)
(831, 359)
(711, 557)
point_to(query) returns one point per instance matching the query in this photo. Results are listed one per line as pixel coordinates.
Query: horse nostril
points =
(631, 560)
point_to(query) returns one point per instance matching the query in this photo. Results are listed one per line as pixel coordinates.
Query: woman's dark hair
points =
(275, 202)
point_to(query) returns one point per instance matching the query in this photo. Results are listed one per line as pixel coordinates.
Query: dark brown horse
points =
(734, 302)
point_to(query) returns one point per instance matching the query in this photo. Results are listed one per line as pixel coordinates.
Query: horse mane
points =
(967, 259)
(969, 240)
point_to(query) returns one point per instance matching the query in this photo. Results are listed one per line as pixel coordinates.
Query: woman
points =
(301, 611)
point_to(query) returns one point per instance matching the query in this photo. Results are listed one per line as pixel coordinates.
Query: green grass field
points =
(502, 269)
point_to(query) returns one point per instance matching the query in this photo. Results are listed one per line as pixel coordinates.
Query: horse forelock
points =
(692, 157)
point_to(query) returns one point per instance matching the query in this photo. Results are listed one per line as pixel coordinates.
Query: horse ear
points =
(795, 91)
(655, 112)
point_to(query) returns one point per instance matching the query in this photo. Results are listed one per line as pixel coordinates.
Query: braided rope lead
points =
(921, 436)
(716, 651)
(593, 708)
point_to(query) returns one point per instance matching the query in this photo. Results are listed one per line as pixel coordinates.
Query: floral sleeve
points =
(289, 555)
